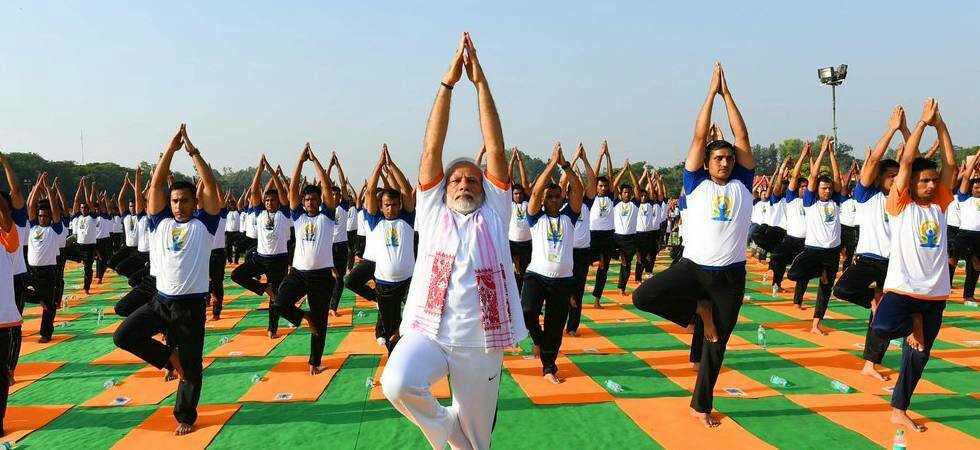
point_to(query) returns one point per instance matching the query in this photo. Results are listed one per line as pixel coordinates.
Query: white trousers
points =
(474, 376)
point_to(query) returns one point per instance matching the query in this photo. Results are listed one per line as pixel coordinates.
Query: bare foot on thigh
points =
(704, 311)
(900, 417)
(916, 339)
(870, 371)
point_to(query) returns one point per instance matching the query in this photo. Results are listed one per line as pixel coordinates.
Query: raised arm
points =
(794, 178)
(966, 172)
(911, 151)
(520, 168)
(121, 199)
(743, 150)
(294, 199)
(537, 192)
(157, 196)
(575, 187)
(255, 199)
(493, 135)
(210, 200)
(946, 144)
(32, 199)
(326, 183)
(370, 192)
(55, 210)
(139, 199)
(695, 154)
(17, 200)
(404, 187)
(815, 167)
(869, 172)
(589, 188)
(834, 169)
(430, 166)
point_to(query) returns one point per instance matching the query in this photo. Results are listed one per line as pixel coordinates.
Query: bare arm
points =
(795, 175)
(210, 200)
(695, 155)
(326, 183)
(140, 200)
(370, 193)
(493, 135)
(815, 168)
(590, 187)
(430, 167)
(256, 198)
(537, 192)
(16, 194)
(157, 195)
(743, 150)
(834, 169)
(294, 198)
(870, 170)
(408, 196)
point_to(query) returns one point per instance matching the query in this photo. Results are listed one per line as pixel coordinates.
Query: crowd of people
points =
(463, 262)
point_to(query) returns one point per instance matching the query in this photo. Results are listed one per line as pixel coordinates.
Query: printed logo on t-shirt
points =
(81, 224)
(624, 211)
(929, 234)
(392, 237)
(603, 207)
(309, 232)
(520, 214)
(644, 208)
(555, 232)
(37, 236)
(722, 209)
(178, 237)
(270, 221)
(828, 212)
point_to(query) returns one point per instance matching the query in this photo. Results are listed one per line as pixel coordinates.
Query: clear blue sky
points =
(251, 77)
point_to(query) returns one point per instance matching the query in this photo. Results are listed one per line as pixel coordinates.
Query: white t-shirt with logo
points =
(232, 221)
(183, 251)
(795, 215)
(646, 215)
(129, 227)
(272, 231)
(351, 218)
(874, 241)
(601, 214)
(969, 208)
(848, 212)
(519, 231)
(918, 265)
(393, 246)
(85, 228)
(552, 241)
(340, 222)
(822, 220)
(718, 217)
(583, 235)
(43, 244)
(624, 221)
(104, 224)
(777, 211)
(314, 239)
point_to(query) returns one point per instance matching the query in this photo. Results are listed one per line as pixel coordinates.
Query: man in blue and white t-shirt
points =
(181, 241)
(549, 275)
(821, 254)
(709, 280)
(581, 249)
(43, 247)
(390, 219)
(312, 212)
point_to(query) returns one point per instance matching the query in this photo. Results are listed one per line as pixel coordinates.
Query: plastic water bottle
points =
(256, 378)
(762, 336)
(369, 382)
(777, 380)
(101, 315)
(360, 314)
(613, 386)
(747, 298)
(775, 290)
(898, 443)
(64, 324)
(970, 303)
(841, 387)
(223, 340)
(110, 383)
(6, 445)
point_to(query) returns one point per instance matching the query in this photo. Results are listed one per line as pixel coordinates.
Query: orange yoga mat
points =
(32, 345)
(959, 336)
(230, 298)
(676, 366)
(33, 326)
(229, 318)
(439, 390)
(120, 357)
(668, 421)
(111, 328)
(615, 296)
(947, 313)
(735, 342)
(789, 309)
(588, 341)
(966, 358)
(846, 368)
(23, 420)
(33, 311)
(29, 372)
(290, 380)
(157, 431)
(868, 415)
(361, 303)
(361, 341)
(835, 339)
(251, 342)
(610, 313)
(144, 387)
(577, 388)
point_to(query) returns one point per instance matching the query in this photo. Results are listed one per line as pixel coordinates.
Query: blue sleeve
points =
(331, 213)
(838, 198)
(408, 217)
(372, 220)
(296, 213)
(790, 195)
(344, 204)
(809, 197)
(773, 198)
(567, 212)
(693, 179)
(588, 201)
(155, 219)
(862, 194)
(65, 222)
(636, 202)
(682, 202)
(33, 223)
(56, 226)
(19, 216)
(743, 175)
(106, 217)
(140, 215)
(223, 213)
(962, 196)
(210, 221)
(533, 218)
(284, 210)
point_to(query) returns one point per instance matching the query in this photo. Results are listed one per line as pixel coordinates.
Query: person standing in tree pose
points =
(601, 224)
(917, 284)
(463, 308)
(181, 241)
(581, 252)
(709, 280)
(42, 254)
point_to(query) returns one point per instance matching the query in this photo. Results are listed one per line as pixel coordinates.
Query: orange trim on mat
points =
(143, 387)
(361, 341)
(676, 366)
(29, 346)
(29, 372)
(846, 368)
(588, 341)
(290, 380)
(23, 420)
(251, 342)
(157, 431)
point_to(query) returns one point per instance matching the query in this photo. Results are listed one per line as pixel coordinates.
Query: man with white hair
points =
(463, 308)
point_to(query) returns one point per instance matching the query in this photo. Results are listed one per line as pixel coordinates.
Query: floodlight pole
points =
(833, 90)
